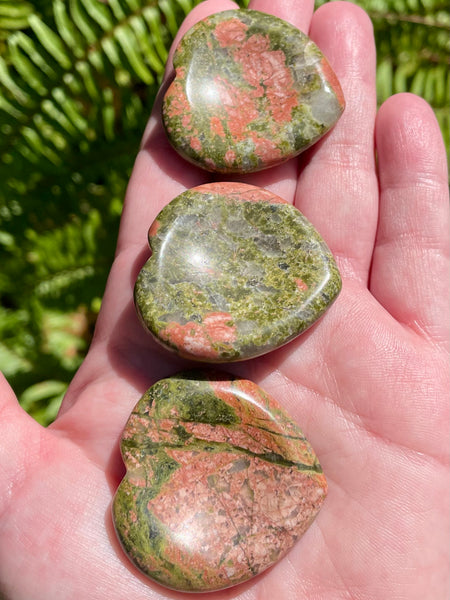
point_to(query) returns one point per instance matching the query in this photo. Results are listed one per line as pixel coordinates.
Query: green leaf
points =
(11, 364)
(8, 84)
(71, 108)
(50, 41)
(82, 21)
(384, 79)
(111, 51)
(418, 82)
(66, 28)
(26, 44)
(11, 109)
(13, 16)
(43, 400)
(100, 14)
(152, 18)
(30, 75)
(58, 116)
(108, 113)
(128, 43)
(42, 390)
(89, 82)
(147, 42)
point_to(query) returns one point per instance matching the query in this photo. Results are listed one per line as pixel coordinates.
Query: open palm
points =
(368, 383)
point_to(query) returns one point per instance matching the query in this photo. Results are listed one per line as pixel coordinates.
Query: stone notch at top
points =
(250, 92)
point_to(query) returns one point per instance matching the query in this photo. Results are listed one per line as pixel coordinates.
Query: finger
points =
(338, 189)
(410, 270)
(295, 12)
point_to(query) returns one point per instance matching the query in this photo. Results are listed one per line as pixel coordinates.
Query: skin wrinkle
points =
(413, 183)
(288, 12)
(350, 155)
(425, 243)
(350, 417)
(412, 126)
(350, 32)
(402, 222)
(432, 334)
(438, 339)
(390, 545)
(361, 106)
(350, 267)
(406, 511)
(357, 423)
(423, 181)
(345, 588)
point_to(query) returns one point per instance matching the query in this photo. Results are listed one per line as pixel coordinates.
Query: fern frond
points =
(72, 67)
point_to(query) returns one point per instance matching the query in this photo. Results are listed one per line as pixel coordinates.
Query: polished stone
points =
(235, 273)
(220, 482)
(250, 92)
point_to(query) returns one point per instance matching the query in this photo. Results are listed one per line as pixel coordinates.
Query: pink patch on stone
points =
(240, 192)
(198, 339)
(301, 285)
(230, 33)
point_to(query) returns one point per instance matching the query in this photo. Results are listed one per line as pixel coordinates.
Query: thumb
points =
(20, 441)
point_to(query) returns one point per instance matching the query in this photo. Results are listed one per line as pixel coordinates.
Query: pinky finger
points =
(410, 267)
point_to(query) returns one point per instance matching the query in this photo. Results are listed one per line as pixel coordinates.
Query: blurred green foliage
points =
(77, 82)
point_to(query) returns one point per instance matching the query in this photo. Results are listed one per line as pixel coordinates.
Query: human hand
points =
(368, 383)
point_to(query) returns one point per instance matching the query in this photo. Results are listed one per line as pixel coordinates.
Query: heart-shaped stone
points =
(220, 482)
(250, 92)
(235, 273)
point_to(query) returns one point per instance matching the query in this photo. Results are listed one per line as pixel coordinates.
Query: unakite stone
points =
(235, 272)
(250, 92)
(220, 482)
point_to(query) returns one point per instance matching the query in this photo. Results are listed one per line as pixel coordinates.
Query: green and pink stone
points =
(235, 272)
(220, 482)
(250, 92)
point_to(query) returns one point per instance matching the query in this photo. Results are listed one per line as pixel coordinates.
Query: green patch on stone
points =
(181, 433)
(190, 402)
(139, 532)
(144, 538)
(163, 468)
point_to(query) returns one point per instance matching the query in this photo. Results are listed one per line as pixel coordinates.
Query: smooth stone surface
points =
(235, 272)
(250, 92)
(220, 482)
